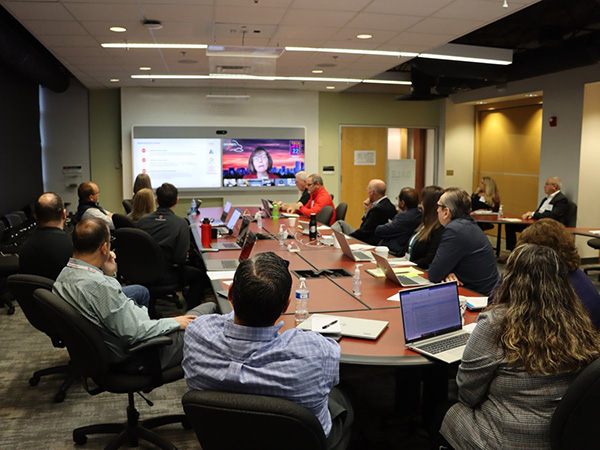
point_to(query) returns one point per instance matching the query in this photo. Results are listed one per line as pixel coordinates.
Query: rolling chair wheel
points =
(79, 439)
(34, 381)
(59, 397)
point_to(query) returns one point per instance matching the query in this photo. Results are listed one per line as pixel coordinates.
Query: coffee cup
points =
(382, 251)
(292, 222)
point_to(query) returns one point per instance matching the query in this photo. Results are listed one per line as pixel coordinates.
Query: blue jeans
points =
(138, 293)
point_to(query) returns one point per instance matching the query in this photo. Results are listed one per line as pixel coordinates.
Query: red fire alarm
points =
(553, 121)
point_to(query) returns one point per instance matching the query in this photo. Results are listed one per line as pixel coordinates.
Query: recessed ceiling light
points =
(481, 103)
(317, 71)
(364, 36)
(114, 80)
(118, 29)
(145, 68)
(329, 87)
(531, 95)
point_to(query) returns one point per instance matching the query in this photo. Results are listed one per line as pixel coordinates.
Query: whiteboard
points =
(400, 173)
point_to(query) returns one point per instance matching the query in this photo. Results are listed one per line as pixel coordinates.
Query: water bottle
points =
(206, 232)
(193, 206)
(356, 281)
(258, 217)
(301, 302)
(275, 211)
(500, 212)
(312, 227)
(281, 235)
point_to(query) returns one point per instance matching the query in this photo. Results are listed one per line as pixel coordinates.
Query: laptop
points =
(432, 321)
(402, 280)
(241, 234)
(353, 255)
(351, 326)
(230, 225)
(267, 208)
(223, 219)
(231, 264)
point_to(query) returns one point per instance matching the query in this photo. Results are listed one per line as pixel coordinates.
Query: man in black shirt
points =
(49, 249)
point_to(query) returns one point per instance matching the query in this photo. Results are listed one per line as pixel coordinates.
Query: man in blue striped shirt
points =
(244, 352)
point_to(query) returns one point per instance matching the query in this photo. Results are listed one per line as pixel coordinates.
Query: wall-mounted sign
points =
(364, 157)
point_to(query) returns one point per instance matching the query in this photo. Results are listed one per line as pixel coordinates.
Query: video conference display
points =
(236, 158)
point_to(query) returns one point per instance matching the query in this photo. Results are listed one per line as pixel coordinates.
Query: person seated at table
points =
(143, 203)
(173, 236)
(554, 206)
(301, 179)
(396, 233)
(525, 351)
(319, 198)
(243, 351)
(378, 211)
(260, 164)
(88, 207)
(486, 196)
(465, 254)
(552, 234)
(423, 245)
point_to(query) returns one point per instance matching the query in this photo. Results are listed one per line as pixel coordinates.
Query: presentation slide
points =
(184, 162)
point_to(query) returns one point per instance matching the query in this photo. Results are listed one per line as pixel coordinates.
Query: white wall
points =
(64, 128)
(190, 107)
(458, 146)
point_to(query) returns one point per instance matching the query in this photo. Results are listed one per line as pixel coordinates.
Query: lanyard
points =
(79, 266)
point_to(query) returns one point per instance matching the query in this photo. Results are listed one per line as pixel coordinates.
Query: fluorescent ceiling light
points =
(465, 59)
(317, 71)
(145, 68)
(352, 51)
(471, 53)
(148, 45)
(228, 96)
(329, 87)
(118, 29)
(364, 36)
(114, 80)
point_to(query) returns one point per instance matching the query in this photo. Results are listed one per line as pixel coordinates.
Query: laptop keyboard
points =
(229, 264)
(446, 344)
(226, 245)
(361, 255)
(407, 281)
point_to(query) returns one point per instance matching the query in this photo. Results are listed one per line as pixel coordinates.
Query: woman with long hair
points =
(141, 181)
(424, 243)
(143, 203)
(522, 356)
(486, 196)
(553, 234)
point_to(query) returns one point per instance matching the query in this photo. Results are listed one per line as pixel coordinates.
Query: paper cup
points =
(292, 222)
(382, 251)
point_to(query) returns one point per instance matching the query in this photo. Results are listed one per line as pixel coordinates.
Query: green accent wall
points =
(337, 109)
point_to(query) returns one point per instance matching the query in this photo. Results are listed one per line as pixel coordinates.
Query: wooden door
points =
(355, 178)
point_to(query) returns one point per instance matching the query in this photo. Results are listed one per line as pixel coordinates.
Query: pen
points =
(329, 324)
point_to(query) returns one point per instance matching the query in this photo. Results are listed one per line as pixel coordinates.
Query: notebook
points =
(432, 321)
(222, 220)
(402, 280)
(231, 264)
(353, 255)
(349, 326)
(241, 235)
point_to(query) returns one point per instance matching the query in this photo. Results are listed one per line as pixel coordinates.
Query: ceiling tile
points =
(332, 5)
(475, 10)
(304, 17)
(297, 32)
(95, 51)
(250, 3)
(106, 12)
(427, 39)
(370, 22)
(245, 15)
(69, 41)
(38, 11)
(41, 28)
(408, 7)
(179, 13)
(456, 27)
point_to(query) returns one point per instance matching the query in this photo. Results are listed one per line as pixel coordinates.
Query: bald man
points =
(378, 211)
(89, 208)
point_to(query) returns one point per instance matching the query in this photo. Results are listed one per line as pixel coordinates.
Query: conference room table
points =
(329, 295)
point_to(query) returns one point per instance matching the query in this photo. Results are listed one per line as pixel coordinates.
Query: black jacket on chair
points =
(377, 215)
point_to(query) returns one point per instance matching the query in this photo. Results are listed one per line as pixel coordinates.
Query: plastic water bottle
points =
(301, 301)
(193, 206)
(500, 212)
(275, 211)
(281, 235)
(356, 281)
(258, 217)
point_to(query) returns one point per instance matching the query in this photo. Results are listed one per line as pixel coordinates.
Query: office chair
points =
(595, 244)
(575, 419)
(9, 265)
(127, 205)
(90, 355)
(340, 211)
(122, 221)
(141, 261)
(571, 220)
(22, 287)
(324, 216)
(260, 422)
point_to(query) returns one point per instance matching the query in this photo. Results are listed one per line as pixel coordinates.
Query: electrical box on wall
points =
(72, 176)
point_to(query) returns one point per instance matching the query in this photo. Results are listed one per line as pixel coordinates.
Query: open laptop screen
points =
(430, 311)
(247, 248)
(234, 218)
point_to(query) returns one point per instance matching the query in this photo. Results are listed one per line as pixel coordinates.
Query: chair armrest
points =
(153, 342)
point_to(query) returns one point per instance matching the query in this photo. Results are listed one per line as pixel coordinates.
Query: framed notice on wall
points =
(364, 157)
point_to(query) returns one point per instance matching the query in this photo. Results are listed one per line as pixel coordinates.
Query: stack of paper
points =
(408, 271)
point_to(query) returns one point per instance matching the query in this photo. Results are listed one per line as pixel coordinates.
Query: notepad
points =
(474, 303)
(511, 219)
(349, 326)
(326, 324)
(408, 271)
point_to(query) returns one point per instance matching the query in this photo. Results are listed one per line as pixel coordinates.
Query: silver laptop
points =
(353, 255)
(402, 280)
(267, 207)
(432, 321)
(352, 326)
(231, 264)
(241, 235)
(223, 219)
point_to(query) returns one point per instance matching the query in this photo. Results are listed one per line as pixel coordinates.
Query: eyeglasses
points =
(441, 205)
(309, 184)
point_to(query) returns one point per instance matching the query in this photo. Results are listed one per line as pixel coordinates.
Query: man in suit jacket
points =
(554, 206)
(378, 211)
(396, 234)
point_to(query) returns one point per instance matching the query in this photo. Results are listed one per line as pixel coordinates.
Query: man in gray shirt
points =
(87, 283)
(88, 207)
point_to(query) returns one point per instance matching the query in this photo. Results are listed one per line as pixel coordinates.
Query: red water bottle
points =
(206, 231)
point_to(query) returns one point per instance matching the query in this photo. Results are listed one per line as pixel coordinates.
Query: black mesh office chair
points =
(324, 216)
(595, 244)
(575, 419)
(260, 422)
(571, 220)
(122, 221)
(90, 355)
(22, 287)
(140, 261)
(340, 211)
(127, 205)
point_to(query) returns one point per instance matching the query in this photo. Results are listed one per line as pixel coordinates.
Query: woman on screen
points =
(522, 356)
(260, 164)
